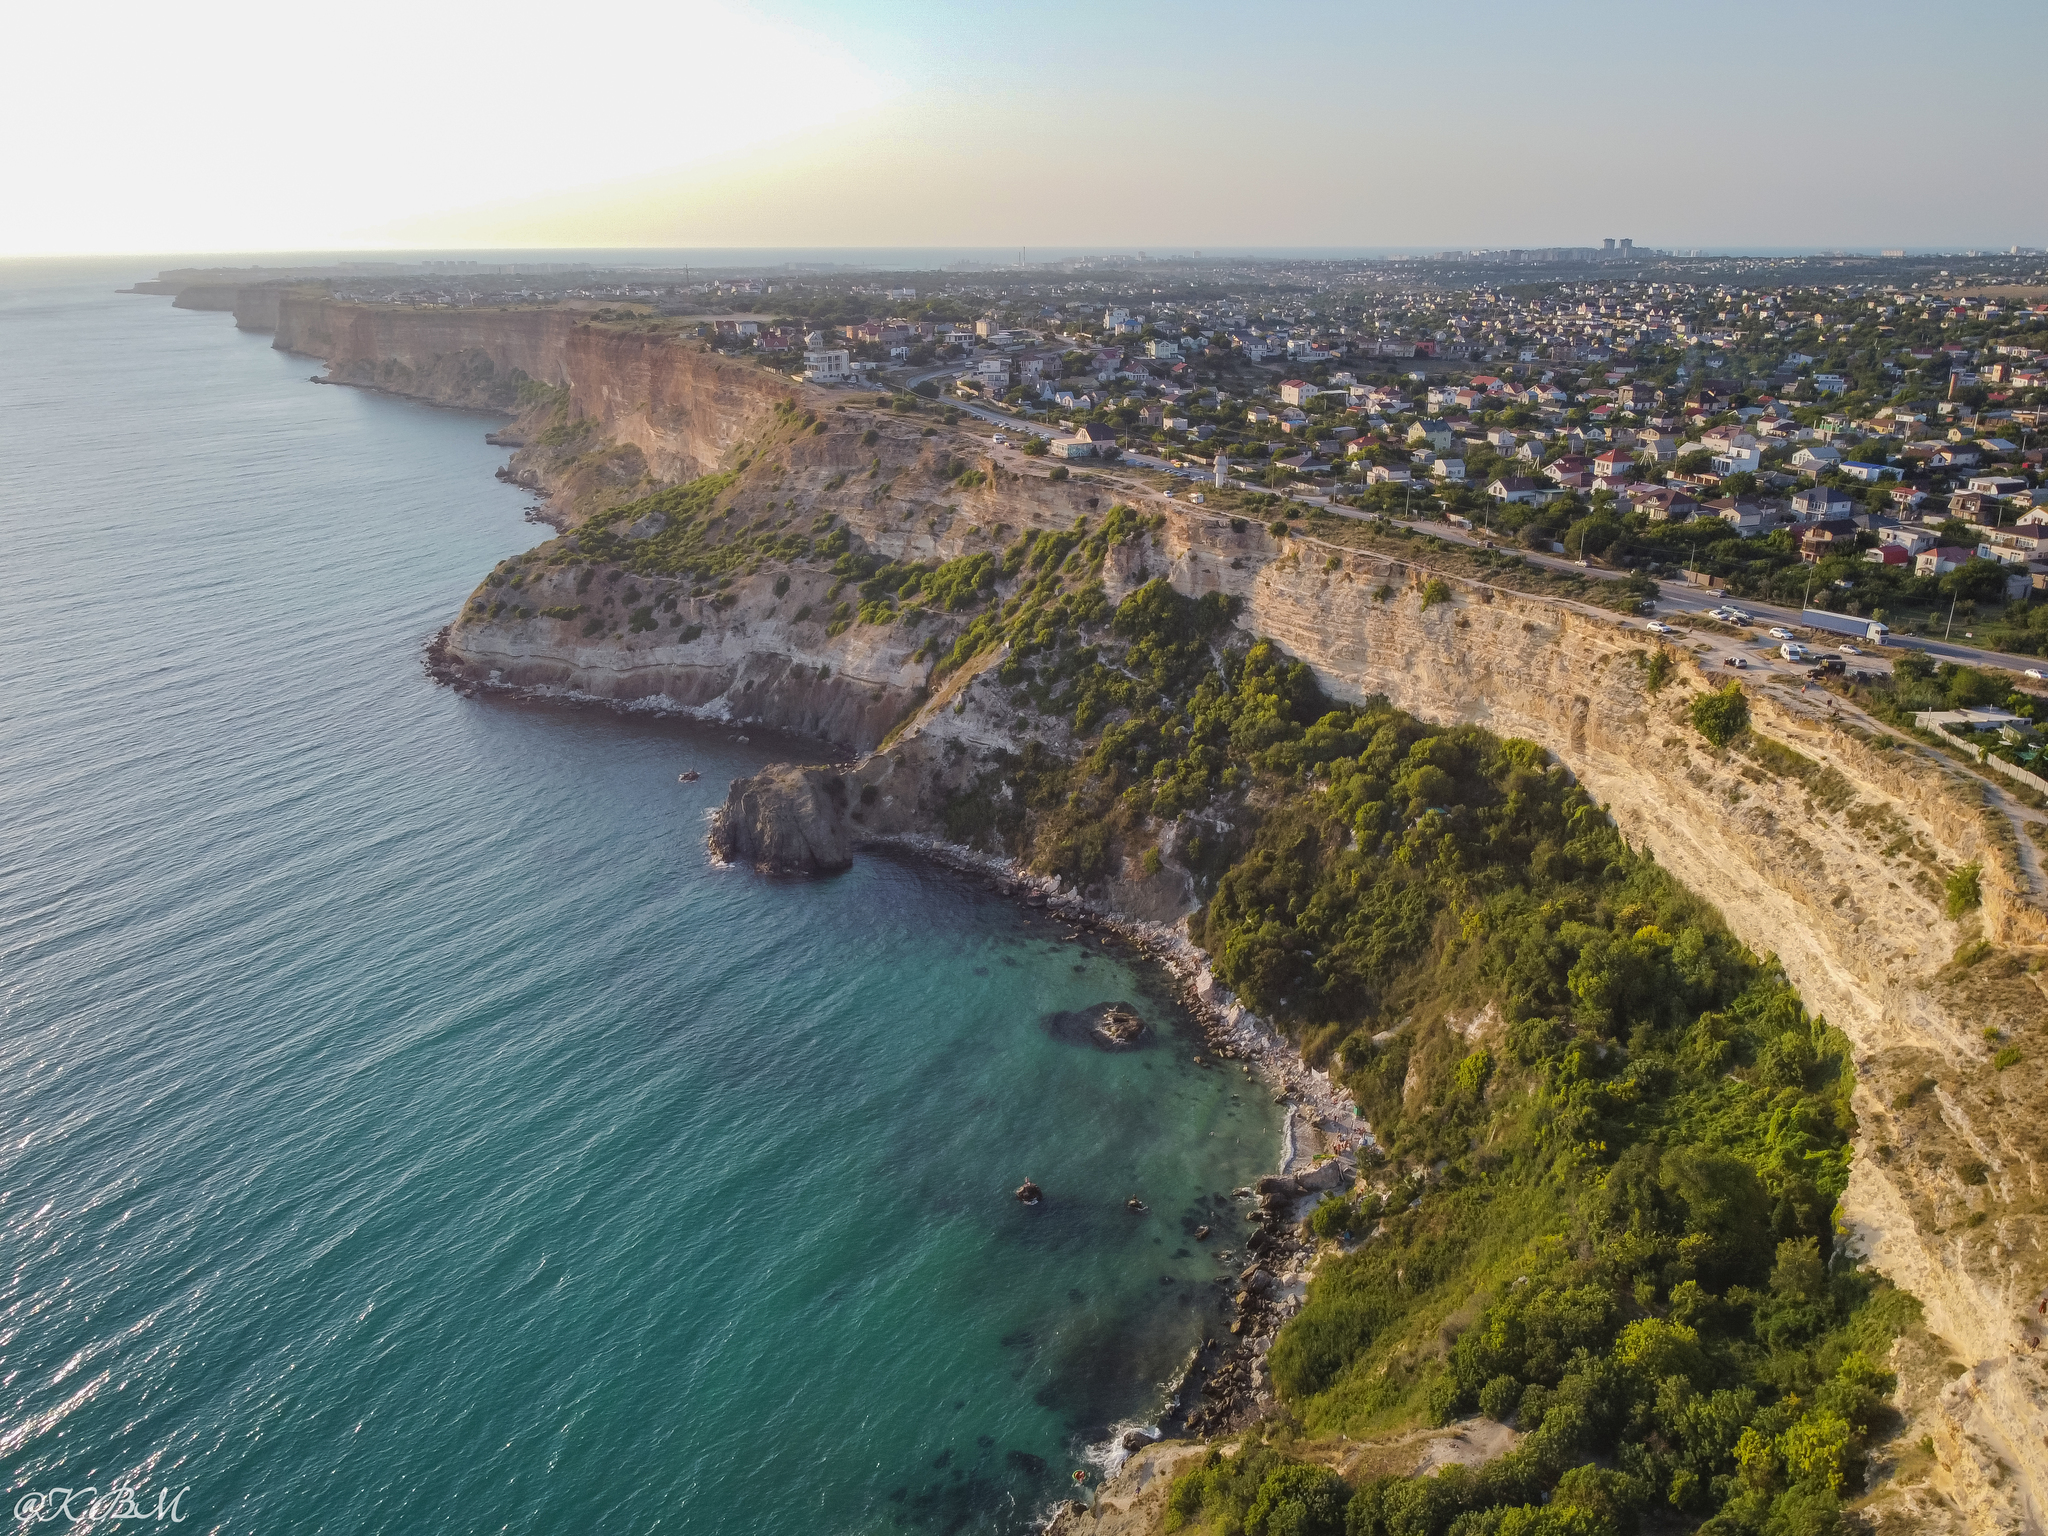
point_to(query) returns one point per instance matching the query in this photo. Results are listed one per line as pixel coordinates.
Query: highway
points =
(1675, 600)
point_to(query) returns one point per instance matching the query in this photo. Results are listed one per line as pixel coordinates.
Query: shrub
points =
(1057, 472)
(1332, 1217)
(1435, 590)
(2010, 1056)
(1965, 890)
(592, 626)
(1151, 863)
(1277, 528)
(1722, 715)
(1499, 1398)
(1656, 670)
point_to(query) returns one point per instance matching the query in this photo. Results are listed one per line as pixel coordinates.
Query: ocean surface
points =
(405, 1127)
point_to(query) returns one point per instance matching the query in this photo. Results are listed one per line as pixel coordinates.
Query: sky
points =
(221, 126)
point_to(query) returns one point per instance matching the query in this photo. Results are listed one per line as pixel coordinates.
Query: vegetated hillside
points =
(1610, 1131)
(1614, 1141)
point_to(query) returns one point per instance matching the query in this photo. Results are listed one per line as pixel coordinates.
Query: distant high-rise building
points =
(1607, 246)
(1627, 246)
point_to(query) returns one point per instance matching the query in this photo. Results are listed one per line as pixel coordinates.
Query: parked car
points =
(2034, 673)
(1849, 650)
(1659, 629)
(1737, 616)
(1734, 661)
(1779, 634)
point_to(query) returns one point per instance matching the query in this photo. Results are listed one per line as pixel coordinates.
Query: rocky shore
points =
(1224, 1385)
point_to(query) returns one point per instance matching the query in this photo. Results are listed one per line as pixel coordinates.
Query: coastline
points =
(1223, 1385)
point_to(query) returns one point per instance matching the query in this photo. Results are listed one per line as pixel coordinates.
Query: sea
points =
(405, 1125)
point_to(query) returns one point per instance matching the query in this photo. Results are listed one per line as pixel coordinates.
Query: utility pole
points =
(1950, 628)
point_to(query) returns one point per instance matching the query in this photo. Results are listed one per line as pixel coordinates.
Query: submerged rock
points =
(786, 820)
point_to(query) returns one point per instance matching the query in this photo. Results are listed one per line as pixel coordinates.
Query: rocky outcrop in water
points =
(788, 821)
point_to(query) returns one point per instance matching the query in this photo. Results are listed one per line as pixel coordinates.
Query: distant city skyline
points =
(901, 125)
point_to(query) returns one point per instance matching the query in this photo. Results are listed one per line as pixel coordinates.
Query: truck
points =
(1844, 624)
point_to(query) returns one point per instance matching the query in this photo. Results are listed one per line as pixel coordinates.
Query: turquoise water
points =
(406, 1127)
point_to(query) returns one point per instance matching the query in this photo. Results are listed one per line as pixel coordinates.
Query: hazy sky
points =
(237, 127)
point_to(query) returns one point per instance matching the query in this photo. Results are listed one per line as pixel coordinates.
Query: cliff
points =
(1825, 840)
(684, 411)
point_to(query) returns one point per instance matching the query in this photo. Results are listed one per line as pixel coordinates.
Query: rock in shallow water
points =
(787, 820)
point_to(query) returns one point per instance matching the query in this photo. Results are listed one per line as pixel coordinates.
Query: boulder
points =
(1325, 1175)
(786, 820)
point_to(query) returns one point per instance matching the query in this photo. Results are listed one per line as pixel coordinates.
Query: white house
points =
(1816, 457)
(1297, 391)
(1940, 561)
(1821, 501)
(1735, 451)
(1518, 488)
(1911, 540)
(1387, 474)
(823, 364)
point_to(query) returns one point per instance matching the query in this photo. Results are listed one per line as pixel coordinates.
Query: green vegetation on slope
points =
(1613, 1138)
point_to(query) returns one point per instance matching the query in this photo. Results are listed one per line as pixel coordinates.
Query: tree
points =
(1721, 716)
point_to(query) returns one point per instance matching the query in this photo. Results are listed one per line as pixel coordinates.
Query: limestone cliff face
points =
(256, 306)
(206, 296)
(684, 410)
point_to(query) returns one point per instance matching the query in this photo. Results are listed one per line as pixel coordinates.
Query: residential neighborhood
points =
(1796, 430)
(1854, 432)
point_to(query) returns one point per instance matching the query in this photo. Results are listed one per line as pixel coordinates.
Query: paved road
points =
(1675, 599)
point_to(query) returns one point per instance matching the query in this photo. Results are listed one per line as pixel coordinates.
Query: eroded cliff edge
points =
(1834, 866)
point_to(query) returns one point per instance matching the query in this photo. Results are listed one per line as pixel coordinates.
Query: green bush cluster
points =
(1722, 715)
(888, 589)
(695, 539)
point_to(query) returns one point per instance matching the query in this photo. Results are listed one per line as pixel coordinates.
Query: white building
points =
(823, 364)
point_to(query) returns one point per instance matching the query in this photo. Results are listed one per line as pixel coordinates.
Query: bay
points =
(407, 1126)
